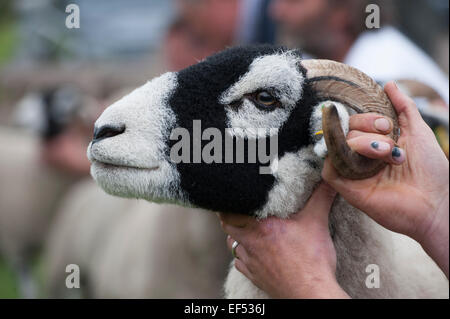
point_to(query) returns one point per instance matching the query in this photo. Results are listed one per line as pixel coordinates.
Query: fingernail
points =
(382, 124)
(395, 84)
(398, 155)
(380, 146)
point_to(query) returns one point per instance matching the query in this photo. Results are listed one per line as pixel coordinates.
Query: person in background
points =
(204, 27)
(63, 117)
(336, 30)
(201, 28)
(255, 24)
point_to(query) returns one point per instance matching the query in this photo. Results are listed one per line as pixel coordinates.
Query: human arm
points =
(411, 195)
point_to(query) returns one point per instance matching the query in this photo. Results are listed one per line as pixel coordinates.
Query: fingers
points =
(242, 268)
(319, 204)
(236, 220)
(377, 147)
(332, 177)
(240, 251)
(238, 226)
(353, 134)
(370, 122)
(330, 174)
(404, 105)
(241, 258)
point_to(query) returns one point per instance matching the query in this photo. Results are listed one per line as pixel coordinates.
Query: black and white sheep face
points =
(130, 152)
(277, 75)
(132, 163)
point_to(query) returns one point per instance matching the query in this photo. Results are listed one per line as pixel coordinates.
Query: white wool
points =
(320, 148)
(30, 190)
(359, 241)
(147, 119)
(405, 269)
(134, 249)
(295, 175)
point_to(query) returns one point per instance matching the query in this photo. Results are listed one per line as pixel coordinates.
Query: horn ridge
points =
(338, 82)
(347, 162)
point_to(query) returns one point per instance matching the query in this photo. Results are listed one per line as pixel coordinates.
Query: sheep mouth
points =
(122, 166)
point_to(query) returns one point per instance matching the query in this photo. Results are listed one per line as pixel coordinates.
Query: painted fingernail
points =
(398, 155)
(380, 146)
(396, 152)
(382, 124)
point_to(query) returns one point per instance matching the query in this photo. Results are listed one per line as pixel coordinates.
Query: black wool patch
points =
(234, 188)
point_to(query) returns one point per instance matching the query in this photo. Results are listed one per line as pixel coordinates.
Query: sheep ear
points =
(320, 147)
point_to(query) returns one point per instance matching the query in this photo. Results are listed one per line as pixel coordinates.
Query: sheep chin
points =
(155, 184)
(112, 165)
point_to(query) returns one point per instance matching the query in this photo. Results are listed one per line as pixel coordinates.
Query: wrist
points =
(435, 240)
(321, 288)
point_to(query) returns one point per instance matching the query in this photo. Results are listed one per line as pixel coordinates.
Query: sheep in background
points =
(37, 166)
(134, 249)
(29, 191)
(260, 87)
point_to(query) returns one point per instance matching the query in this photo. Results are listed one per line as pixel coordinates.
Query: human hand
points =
(288, 258)
(411, 198)
(67, 152)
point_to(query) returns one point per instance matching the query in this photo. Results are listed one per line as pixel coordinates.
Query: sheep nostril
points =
(107, 131)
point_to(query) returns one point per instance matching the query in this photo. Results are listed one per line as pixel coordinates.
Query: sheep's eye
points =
(265, 98)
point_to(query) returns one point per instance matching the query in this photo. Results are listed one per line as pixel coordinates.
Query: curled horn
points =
(341, 83)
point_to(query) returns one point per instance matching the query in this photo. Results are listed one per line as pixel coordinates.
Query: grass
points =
(7, 40)
(8, 282)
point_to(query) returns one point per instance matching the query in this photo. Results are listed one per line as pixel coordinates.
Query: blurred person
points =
(202, 27)
(336, 30)
(215, 21)
(255, 25)
(63, 117)
(182, 48)
(37, 166)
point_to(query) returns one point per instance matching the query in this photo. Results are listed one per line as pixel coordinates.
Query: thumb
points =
(408, 114)
(319, 204)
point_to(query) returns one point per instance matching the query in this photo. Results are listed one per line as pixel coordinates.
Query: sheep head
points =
(246, 94)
